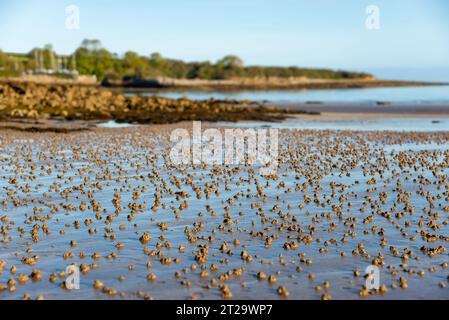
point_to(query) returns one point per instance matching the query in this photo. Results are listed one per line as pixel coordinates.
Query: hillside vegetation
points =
(92, 59)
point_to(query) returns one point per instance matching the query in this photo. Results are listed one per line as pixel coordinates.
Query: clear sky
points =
(311, 33)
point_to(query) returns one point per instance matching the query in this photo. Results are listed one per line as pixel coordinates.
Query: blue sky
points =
(311, 33)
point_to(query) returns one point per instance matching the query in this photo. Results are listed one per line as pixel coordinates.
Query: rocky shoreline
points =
(233, 84)
(273, 83)
(20, 100)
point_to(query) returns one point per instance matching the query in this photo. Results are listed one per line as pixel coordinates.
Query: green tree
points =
(92, 59)
(136, 65)
(230, 62)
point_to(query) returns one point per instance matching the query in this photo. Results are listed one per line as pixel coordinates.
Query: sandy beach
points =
(109, 202)
(89, 188)
(249, 159)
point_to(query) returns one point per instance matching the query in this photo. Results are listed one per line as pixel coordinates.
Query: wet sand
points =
(110, 202)
(380, 109)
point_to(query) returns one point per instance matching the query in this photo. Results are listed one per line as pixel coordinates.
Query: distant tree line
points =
(92, 59)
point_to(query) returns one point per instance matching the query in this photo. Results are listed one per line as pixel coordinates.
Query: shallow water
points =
(406, 95)
(113, 124)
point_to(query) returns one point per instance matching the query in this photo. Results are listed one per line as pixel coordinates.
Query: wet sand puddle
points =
(111, 202)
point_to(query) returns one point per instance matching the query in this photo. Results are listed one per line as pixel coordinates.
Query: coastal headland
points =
(263, 83)
(269, 83)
